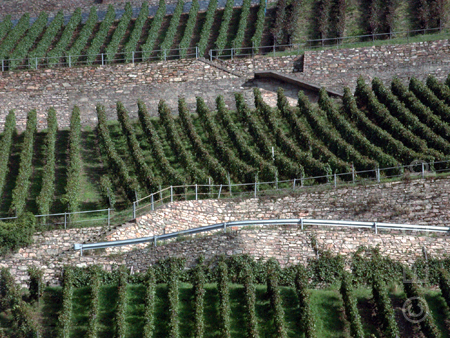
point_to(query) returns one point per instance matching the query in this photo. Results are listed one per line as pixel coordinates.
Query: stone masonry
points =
(417, 202)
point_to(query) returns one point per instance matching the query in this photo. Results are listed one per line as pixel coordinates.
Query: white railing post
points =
(36, 63)
(196, 192)
(335, 180)
(210, 55)
(255, 189)
(171, 193)
(132, 56)
(153, 203)
(134, 210)
(423, 170)
(224, 227)
(165, 55)
(154, 240)
(375, 226)
(109, 217)
(301, 223)
(3, 65)
(378, 175)
(103, 60)
(65, 220)
(220, 190)
(229, 184)
(293, 186)
(70, 61)
(353, 174)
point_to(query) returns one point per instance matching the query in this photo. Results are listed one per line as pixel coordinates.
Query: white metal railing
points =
(298, 222)
(416, 170)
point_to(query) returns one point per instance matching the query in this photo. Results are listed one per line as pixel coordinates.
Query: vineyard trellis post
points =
(378, 175)
(171, 194)
(293, 185)
(153, 203)
(65, 220)
(220, 190)
(375, 226)
(423, 170)
(103, 60)
(335, 180)
(70, 61)
(134, 210)
(196, 192)
(109, 217)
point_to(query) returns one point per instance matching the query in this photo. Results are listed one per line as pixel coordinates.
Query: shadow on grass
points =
(328, 310)
(80, 314)
(291, 315)
(36, 179)
(211, 314)
(161, 311)
(108, 301)
(62, 139)
(186, 311)
(135, 310)
(52, 302)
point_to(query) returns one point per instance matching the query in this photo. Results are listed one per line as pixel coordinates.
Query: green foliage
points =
(135, 35)
(206, 28)
(94, 283)
(14, 36)
(119, 316)
(419, 305)
(100, 36)
(17, 234)
(172, 30)
(46, 40)
(428, 98)
(350, 305)
(235, 165)
(5, 146)
(441, 91)
(173, 177)
(173, 306)
(398, 110)
(83, 36)
(306, 319)
(338, 14)
(224, 300)
(20, 192)
(189, 29)
(185, 157)
(267, 171)
(250, 302)
(199, 300)
(45, 198)
(259, 26)
(243, 20)
(353, 135)
(221, 40)
(374, 133)
(72, 196)
(279, 26)
(216, 170)
(273, 292)
(65, 316)
(113, 45)
(323, 8)
(57, 52)
(294, 12)
(444, 284)
(5, 26)
(25, 43)
(149, 316)
(144, 172)
(147, 47)
(114, 162)
(107, 189)
(317, 120)
(35, 283)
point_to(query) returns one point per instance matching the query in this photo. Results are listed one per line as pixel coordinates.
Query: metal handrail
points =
(295, 221)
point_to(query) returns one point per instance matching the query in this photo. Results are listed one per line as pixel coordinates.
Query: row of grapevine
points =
(156, 146)
(385, 311)
(350, 306)
(113, 161)
(224, 300)
(135, 35)
(100, 36)
(155, 26)
(206, 28)
(172, 30)
(408, 119)
(143, 171)
(107, 191)
(441, 90)
(316, 119)
(189, 29)
(119, 318)
(221, 40)
(235, 165)
(58, 51)
(71, 197)
(185, 157)
(14, 36)
(93, 321)
(20, 192)
(5, 26)
(374, 133)
(45, 198)
(311, 165)
(84, 35)
(5, 147)
(250, 302)
(306, 319)
(199, 300)
(173, 303)
(24, 45)
(44, 43)
(149, 304)
(267, 171)
(305, 139)
(65, 316)
(216, 170)
(419, 109)
(259, 29)
(352, 135)
(273, 292)
(287, 167)
(240, 34)
(113, 46)
(444, 285)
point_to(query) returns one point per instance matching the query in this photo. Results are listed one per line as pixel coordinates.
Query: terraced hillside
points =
(236, 297)
(84, 169)
(131, 39)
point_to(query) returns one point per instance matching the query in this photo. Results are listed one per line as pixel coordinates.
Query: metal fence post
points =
(65, 220)
(70, 61)
(229, 184)
(220, 190)
(335, 180)
(225, 227)
(196, 192)
(134, 210)
(165, 56)
(293, 186)
(103, 60)
(255, 189)
(109, 217)
(273, 50)
(36, 63)
(3, 65)
(171, 193)
(378, 175)
(301, 223)
(353, 174)
(423, 170)
(210, 55)
(375, 227)
(154, 240)
(132, 56)
(153, 204)
(231, 53)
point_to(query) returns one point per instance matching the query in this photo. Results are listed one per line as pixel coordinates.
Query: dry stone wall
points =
(424, 202)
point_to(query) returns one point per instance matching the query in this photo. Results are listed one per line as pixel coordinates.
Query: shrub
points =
(206, 28)
(189, 29)
(172, 30)
(173, 306)
(57, 52)
(83, 37)
(136, 33)
(100, 36)
(113, 46)
(147, 47)
(323, 16)
(221, 40)
(17, 234)
(338, 11)
(5, 26)
(20, 192)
